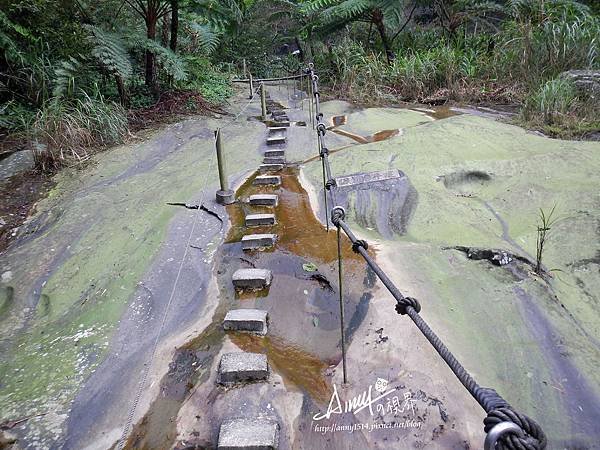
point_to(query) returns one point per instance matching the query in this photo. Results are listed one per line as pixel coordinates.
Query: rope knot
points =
(329, 184)
(324, 151)
(359, 243)
(321, 129)
(337, 213)
(533, 437)
(405, 303)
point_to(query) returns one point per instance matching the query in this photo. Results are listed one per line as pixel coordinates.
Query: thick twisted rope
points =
(497, 409)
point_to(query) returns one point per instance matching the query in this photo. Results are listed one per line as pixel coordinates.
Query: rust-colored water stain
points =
(298, 229)
(297, 367)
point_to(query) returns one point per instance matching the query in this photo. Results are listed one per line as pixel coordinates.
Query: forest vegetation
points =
(77, 75)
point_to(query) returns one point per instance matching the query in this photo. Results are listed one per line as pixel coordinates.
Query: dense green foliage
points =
(66, 59)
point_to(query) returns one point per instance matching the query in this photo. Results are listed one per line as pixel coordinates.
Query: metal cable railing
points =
(506, 428)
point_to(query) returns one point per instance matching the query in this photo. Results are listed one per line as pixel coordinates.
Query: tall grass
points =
(552, 101)
(67, 131)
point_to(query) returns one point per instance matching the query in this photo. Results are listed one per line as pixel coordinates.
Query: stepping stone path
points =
(253, 320)
(257, 220)
(248, 434)
(238, 367)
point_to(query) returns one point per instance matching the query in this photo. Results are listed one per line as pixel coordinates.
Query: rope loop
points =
(324, 151)
(359, 243)
(337, 213)
(532, 439)
(405, 303)
(329, 184)
(321, 129)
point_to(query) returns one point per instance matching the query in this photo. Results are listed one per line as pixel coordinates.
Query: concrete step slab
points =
(252, 278)
(252, 320)
(274, 160)
(238, 367)
(261, 180)
(272, 153)
(257, 220)
(273, 130)
(254, 241)
(248, 434)
(276, 140)
(270, 167)
(281, 123)
(263, 199)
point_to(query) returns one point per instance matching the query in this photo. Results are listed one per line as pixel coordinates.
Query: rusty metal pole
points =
(251, 87)
(340, 287)
(224, 196)
(263, 101)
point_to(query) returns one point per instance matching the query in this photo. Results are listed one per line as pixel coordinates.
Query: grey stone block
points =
(281, 122)
(274, 160)
(238, 367)
(277, 129)
(263, 199)
(254, 241)
(268, 179)
(252, 278)
(263, 168)
(274, 153)
(248, 434)
(256, 220)
(276, 140)
(253, 320)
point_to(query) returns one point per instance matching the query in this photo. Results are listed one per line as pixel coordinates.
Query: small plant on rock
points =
(546, 221)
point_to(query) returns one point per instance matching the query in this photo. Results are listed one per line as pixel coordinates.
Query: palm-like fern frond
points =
(64, 77)
(110, 52)
(205, 36)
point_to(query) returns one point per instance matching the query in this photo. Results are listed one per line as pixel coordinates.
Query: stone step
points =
(237, 367)
(263, 199)
(252, 278)
(248, 434)
(270, 167)
(271, 153)
(281, 119)
(253, 320)
(268, 179)
(277, 129)
(257, 220)
(274, 160)
(276, 140)
(281, 123)
(254, 241)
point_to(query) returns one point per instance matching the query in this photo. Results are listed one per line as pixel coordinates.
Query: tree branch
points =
(405, 23)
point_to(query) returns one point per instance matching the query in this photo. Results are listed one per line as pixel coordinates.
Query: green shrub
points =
(214, 86)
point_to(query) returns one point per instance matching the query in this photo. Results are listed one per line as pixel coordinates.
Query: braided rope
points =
(497, 409)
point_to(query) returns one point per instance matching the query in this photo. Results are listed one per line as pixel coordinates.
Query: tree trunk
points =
(123, 97)
(174, 24)
(150, 68)
(377, 18)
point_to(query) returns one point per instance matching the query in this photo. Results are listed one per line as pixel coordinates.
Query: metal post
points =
(224, 196)
(251, 87)
(339, 249)
(244, 64)
(263, 101)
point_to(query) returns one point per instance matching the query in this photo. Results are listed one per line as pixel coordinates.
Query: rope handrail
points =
(506, 428)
